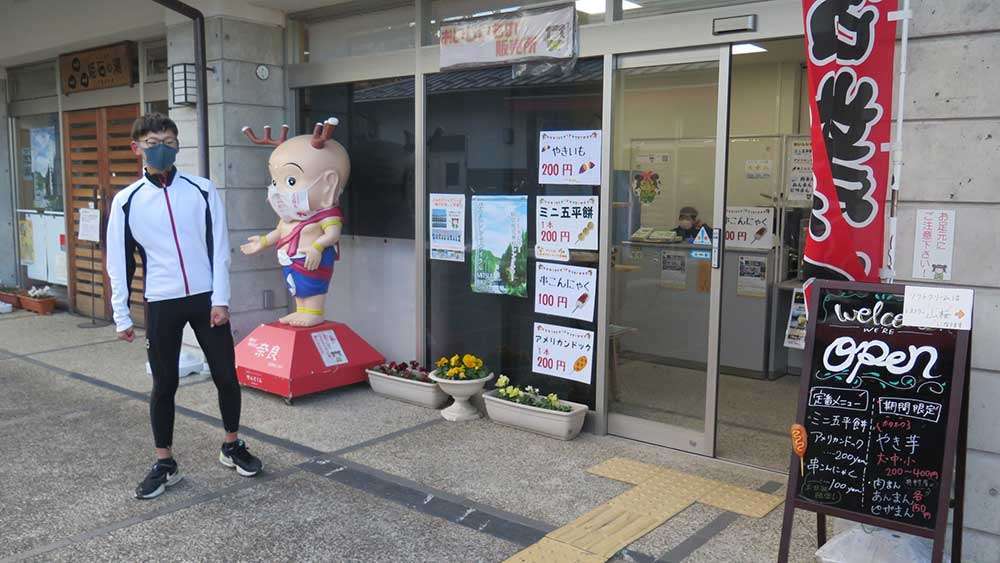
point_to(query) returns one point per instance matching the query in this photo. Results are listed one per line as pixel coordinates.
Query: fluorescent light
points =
(747, 48)
(597, 6)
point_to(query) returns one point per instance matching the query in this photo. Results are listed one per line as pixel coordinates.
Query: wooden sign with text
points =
(95, 69)
(883, 405)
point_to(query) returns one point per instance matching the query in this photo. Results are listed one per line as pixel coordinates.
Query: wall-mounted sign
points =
(673, 269)
(567, 221)
(95, 69)
(546, 34)
(563, 352)
(750, 227)
(448, 227)
(90, 225)
(799, 169)
(752, 278)
(946, 308)
(569, 157)
(565, 291)
(933, 244)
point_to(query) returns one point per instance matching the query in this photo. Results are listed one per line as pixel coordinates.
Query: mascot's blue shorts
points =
(303, 283)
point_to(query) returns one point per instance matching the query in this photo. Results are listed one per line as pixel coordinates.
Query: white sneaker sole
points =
(171, 481)
(228, 462)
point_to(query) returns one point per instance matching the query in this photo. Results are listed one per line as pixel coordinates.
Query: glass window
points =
(362, 34)
(156, 62)
(38, 162)
(644, 8)
(483, 140)
(32, 82)
(376, 127)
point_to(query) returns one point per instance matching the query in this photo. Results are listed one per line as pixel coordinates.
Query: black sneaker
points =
(235, 454)
(164, 473)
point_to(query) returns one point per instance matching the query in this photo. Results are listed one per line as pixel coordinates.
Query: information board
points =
(880, 403)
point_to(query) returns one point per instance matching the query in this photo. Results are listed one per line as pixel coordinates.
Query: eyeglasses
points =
(151, 143)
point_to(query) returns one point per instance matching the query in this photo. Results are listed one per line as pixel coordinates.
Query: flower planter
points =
(554, 424)
(42, 306)
(407, 390)
(12, 298)
(461, 391)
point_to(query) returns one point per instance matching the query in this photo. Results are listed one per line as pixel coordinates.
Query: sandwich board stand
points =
(884, 405)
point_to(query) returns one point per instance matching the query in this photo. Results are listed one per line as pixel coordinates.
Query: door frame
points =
(643, 429)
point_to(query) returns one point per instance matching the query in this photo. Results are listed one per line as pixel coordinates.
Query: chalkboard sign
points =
(881, 404)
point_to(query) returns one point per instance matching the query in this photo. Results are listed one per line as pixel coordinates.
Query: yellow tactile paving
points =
(754, 504)
(551, 551)
(658, 495)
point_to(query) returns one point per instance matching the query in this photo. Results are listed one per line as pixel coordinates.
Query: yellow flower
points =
(452, 372)
(455, 360)
(503, 381)
(442, 362)
(479, 363)
(469, 361)
(553, 399)
(461, 373)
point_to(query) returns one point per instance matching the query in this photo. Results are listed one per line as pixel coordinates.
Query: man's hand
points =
(219, 316)
(252, 246)
(313, 257)
(128, 335)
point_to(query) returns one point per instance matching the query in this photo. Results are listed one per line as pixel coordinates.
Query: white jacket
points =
(181, 235)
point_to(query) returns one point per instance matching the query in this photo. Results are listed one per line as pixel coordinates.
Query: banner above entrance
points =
(546, 34)
(104, 67)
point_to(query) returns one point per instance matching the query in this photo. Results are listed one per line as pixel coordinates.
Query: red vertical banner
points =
(849, 52)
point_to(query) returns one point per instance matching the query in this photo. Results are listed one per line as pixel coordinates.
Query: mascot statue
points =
(308, 175)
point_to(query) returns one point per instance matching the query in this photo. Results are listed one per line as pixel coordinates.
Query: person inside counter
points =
(688, 224)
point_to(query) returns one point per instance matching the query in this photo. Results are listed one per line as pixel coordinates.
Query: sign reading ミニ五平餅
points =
(849, 55)
(565, 291)
(544, 34)
(563, 352)
(569, 158)
(95, 69)
(567, 221)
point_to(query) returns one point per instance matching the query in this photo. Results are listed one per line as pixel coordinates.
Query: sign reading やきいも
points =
(569, 158)
(516, 36)
(563, 352)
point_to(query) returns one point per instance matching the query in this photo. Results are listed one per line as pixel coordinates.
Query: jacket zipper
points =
(177, 243)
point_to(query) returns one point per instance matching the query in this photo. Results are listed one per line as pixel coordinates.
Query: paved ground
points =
(350, 476)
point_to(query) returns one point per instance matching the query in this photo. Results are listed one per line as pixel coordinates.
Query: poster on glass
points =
(448, 227)
(499, 245)
(569, 158)
(563, 352)
(565, 291)
(567, 222)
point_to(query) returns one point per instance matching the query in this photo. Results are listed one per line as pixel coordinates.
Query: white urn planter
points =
(547, 422)
(410, 391)
(461, 390)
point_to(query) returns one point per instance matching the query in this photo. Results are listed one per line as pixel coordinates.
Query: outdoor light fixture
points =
(597, 6)
(182, 85)
(747, 48)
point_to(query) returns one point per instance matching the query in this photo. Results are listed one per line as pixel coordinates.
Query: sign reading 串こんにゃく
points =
(567, 221)
(565, 291)
(563, 352)
(750, 227)
(569, 157)
(544, 34)
(95, 69)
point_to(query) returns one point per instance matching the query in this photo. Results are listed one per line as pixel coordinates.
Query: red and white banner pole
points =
(888, 272)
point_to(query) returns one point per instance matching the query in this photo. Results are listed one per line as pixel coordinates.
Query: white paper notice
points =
(554, 253)
(563, 352)
(795, 331)
(750, 227)
(752, 278)
(934, 244)
(329, 348)
(569, 157)
(567, 221)
(90, 225)
(758, 169)
(799, 180)
(565, 291)
(673, 269)
(937, 307)
(448, 227)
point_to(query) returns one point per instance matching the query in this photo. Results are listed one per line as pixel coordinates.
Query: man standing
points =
(177, 223)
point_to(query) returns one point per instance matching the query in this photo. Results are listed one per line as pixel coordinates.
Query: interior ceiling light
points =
(747, 48)
(597, 6)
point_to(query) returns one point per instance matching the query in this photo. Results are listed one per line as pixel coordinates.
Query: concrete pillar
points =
(8, 263)
(238, 96)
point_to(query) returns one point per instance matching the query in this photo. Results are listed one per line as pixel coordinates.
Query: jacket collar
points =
(162, 180)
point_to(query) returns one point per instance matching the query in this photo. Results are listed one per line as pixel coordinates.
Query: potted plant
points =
(462, 377)
(529, 410)
(39, 300)
(10, 295)
(408, 382)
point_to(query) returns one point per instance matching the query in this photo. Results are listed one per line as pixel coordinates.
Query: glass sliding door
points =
(669, 154)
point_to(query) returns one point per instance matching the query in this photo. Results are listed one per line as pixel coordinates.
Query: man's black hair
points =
(152, 123)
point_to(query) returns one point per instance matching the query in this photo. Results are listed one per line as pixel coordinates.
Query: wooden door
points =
(98, 164)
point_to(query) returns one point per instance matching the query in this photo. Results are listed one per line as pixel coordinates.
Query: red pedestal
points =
(295, 361)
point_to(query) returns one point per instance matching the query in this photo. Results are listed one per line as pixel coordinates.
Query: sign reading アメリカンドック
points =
(95, 69)
(876, 406)
(517, 36)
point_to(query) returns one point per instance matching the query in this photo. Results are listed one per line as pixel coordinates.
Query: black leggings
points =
(164, 334)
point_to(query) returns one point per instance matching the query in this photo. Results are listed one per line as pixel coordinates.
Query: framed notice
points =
(567, 221)
(565, 291)
(563, 352)
(882, 406)
(569, 157)
(447, 227)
